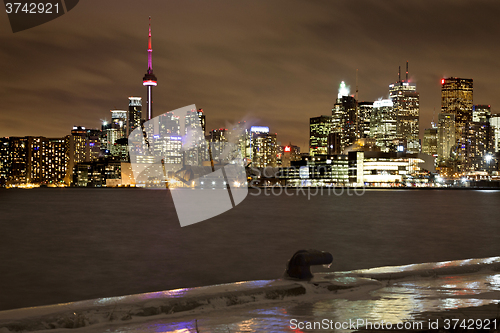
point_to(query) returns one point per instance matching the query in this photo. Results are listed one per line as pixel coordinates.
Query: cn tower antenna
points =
(407, 71)
(356, 84)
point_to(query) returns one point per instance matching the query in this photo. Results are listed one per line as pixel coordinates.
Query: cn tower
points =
(149, 79)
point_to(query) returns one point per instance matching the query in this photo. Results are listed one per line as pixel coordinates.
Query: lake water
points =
(61, 245)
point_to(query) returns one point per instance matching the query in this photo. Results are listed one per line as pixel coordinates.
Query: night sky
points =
(273, 63)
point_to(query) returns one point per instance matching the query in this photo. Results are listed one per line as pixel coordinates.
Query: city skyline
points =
(277, 69)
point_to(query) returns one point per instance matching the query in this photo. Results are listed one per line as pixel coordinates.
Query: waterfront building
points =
(5, 160)
(388, 168)
(54, 161)
(383, 127)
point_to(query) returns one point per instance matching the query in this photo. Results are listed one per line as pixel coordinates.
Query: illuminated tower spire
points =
(149, 79)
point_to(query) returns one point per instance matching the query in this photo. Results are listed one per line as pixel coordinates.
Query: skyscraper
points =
(430, 142)
(134, 113)
(383, 125)
(407, 108)
(446, 136)
(345, 119)
(320, 129)
(456, 99)
(264, 147)
(495, 124)
(149, 79)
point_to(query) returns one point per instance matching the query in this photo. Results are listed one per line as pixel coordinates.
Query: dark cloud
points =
(275, 62)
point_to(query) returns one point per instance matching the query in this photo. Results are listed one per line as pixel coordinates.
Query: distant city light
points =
(488, 158)
(442, 81)
(288, 149)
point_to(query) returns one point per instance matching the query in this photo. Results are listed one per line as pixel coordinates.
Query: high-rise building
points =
(134, 113)
(406, 103)
(264, 147)
(481, 113)
(480, 145)
(18, 160)
(430, 141)
(383, 125)
(446, 136)
(5, 160)
(54, 160)
(35, 161)
(457, 99)
(149, 80)
(345, 119)
(320, 133)
(495, 124)
(365, 113)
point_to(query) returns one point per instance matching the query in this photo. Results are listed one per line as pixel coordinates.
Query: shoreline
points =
(208, 302)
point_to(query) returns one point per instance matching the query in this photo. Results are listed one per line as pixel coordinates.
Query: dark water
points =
(60, 245)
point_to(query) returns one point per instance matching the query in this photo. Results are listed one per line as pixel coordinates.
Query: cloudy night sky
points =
(274, 63)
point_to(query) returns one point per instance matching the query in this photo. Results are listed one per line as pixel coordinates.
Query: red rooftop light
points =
(442, 81)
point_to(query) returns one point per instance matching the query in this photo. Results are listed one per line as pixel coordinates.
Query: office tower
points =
(134, 113)
(320, 129)
(119, 118)
(219, 142)
(456, 98)
(290, 154)
(383, 125)
(495, 124)
(480, 144)
(345, 118)
(481, 113)
(149, 79)
(430, 141)
(446, 137)
(113, 130)
(406, 103)
(197, 153)
(264, 147)
(365, 113)
(94, 144)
